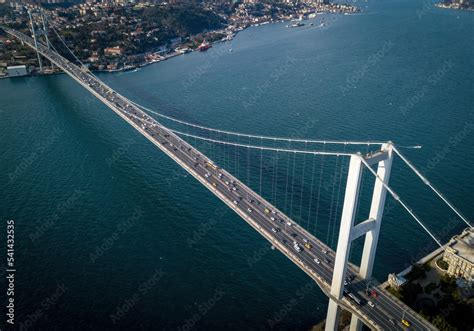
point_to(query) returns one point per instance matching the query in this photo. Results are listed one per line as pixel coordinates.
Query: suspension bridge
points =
(347, 286)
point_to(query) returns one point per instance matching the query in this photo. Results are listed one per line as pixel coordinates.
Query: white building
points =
(17, 71)
(396, 281)
(459, 254)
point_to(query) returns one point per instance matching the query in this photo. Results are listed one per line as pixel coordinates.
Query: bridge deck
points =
(317, 261)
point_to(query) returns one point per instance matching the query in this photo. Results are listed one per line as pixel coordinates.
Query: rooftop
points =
(463, 244)
(17, 67)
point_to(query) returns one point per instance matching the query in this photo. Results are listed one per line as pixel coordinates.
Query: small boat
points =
(297, 24)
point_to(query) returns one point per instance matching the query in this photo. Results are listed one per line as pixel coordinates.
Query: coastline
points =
(455, 6)
(224, 35)
(232, 32)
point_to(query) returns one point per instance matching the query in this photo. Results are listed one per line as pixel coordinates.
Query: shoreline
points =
(231, 32)
(454, 6)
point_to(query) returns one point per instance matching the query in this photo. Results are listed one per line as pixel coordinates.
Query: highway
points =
(317, 261)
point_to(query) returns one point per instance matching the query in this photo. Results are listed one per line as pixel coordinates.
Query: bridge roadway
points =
(316, 261)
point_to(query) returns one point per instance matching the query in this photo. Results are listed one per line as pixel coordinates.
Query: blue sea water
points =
(111, 234)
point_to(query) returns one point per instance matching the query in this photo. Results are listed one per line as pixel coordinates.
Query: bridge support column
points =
(356, 324)
(332, 318)
(36, 42)
(376, 211)
(344, 242)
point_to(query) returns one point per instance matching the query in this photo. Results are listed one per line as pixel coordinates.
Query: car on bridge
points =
(297, 247)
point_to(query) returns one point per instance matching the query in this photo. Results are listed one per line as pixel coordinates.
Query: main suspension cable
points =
(233, 133)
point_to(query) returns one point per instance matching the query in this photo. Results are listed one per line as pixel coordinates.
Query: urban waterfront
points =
(127, 239)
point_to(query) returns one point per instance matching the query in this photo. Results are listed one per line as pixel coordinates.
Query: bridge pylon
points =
(348, 232)
(33, 31)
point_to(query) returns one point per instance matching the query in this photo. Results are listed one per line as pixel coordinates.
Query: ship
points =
(297, 24)
(204, 46)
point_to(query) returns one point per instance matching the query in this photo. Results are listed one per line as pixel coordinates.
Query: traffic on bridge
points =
(373, 305)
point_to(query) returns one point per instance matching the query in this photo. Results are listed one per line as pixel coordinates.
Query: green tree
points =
(440, 322)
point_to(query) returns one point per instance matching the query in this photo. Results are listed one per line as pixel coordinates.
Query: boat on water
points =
(204, 46)
(297, 24)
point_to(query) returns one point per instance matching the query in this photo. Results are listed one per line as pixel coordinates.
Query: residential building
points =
(459, 254)
(114, 51)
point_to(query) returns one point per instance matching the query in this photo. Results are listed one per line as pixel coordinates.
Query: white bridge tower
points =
(349, 232)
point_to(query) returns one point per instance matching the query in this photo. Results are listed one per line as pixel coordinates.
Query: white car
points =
(272, 218)
(371, 304)
(249, 210)
(289, 223)
(236, 202)
(317, 261)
